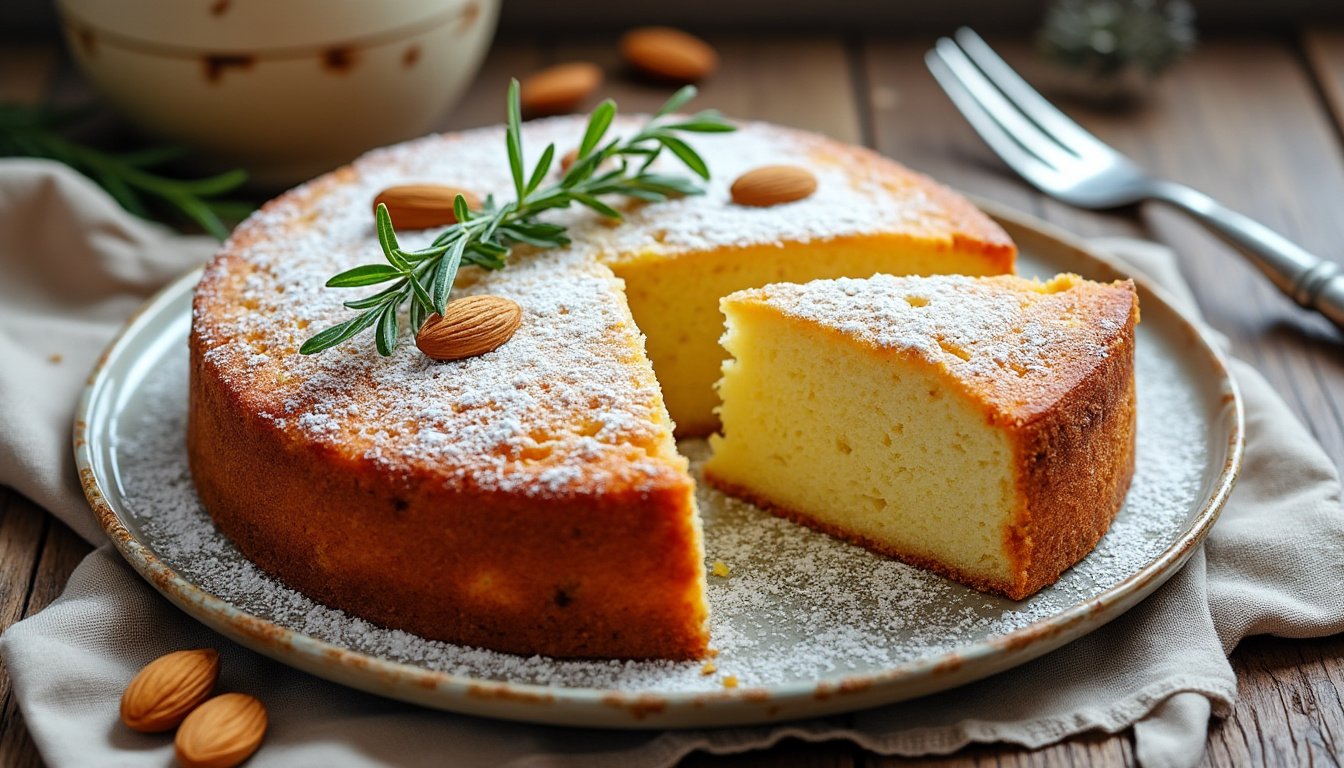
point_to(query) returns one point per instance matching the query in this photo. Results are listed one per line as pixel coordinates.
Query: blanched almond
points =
(420, 206)
(469, 327)
(163, 693)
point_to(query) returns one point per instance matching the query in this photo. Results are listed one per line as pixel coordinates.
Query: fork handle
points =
(1311, 281)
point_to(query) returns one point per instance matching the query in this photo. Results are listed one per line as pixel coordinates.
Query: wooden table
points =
(1258, 122)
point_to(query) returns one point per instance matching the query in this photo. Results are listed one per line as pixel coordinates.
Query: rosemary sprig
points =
(27, 131)
(486, 237)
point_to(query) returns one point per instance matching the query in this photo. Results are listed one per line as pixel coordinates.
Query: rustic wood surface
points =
(1257, 122)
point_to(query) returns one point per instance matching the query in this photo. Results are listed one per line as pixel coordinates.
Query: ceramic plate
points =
(805, 624)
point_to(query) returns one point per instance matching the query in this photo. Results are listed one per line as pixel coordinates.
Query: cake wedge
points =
(979, 427)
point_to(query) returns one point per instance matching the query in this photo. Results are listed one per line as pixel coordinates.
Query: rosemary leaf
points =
(678, 100)
(543, 168)
(368, 274)
(38, 132)
(445, 274)
(338, 333)
(598, 124)
(375, 299)
(386, 337)
(485, 237)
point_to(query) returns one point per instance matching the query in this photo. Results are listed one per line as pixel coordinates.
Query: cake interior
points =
(862, 443)
(675, 300)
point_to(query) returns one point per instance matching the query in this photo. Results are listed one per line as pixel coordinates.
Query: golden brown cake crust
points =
(1075, 461)
(476, 567)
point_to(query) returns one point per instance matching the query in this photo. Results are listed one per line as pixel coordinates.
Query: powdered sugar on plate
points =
(795, 606)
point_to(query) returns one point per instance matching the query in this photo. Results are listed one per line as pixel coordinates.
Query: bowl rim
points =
(92, 34)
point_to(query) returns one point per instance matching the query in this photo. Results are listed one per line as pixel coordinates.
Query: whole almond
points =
(571, 157)
(668, 54)
(559, 89)
(420, 206)
(772, 185)
(469, 327)
(222, 732)
(568, 159)
(162, 694)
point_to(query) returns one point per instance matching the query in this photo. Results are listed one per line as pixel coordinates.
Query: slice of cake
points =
(979, 427)
(868, 215)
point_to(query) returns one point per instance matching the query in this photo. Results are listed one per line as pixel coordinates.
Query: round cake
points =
(530, 499)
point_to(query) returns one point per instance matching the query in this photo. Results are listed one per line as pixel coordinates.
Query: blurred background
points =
(35, 17)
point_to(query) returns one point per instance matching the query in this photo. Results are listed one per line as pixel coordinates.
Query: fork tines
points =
(1017, 122)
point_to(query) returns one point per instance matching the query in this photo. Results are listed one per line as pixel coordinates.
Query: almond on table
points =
(668, 54)
(559, 89)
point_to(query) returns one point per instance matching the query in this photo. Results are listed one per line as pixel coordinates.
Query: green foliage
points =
(486, 238)
(1105, 37)
(127, 176)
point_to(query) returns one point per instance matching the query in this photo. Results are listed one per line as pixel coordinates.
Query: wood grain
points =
(803, 82)
(21, 534)
(37, 556)
(1324, 51)
(1253, 121)
(25, 70)
(1199, 128)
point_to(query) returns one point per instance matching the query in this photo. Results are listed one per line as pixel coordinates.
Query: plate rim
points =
(604, 708)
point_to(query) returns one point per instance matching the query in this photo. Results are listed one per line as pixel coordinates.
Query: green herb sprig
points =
(28, 131)
(486, 237)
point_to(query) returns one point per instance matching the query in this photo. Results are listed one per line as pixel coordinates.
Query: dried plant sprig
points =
(486, 237)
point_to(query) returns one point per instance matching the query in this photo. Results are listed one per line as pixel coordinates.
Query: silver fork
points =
(1063, 160)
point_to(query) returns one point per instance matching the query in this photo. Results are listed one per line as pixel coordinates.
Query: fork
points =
(1060, 158)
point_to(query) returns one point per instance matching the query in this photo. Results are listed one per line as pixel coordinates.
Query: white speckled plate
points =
(808, 625)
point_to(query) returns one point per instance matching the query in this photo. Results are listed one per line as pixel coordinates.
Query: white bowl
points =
(284, 88)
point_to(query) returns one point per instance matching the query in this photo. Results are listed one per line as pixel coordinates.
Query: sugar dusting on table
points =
(796, 607)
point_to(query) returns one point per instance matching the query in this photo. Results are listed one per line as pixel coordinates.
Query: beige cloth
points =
(72, 266)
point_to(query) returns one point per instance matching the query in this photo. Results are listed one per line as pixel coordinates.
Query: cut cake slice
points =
(979, 427)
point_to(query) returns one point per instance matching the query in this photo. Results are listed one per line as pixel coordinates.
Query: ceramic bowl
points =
(284, 88)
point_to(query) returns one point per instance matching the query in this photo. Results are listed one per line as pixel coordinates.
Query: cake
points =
(677, 269)
(529, 500)
(979, 427)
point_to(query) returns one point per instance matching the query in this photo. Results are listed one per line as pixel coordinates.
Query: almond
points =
(571, 157)
(773, 184)
(168, 688)
(559, 89)
(568, 159)
(222, 732)
(469, 327)
(420, 206)
(668, 54)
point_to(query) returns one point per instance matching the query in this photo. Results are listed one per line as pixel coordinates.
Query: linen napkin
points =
(73, 266)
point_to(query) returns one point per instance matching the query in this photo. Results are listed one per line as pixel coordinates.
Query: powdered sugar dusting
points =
(567, 386)
(1020, 343)
(797, 605)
